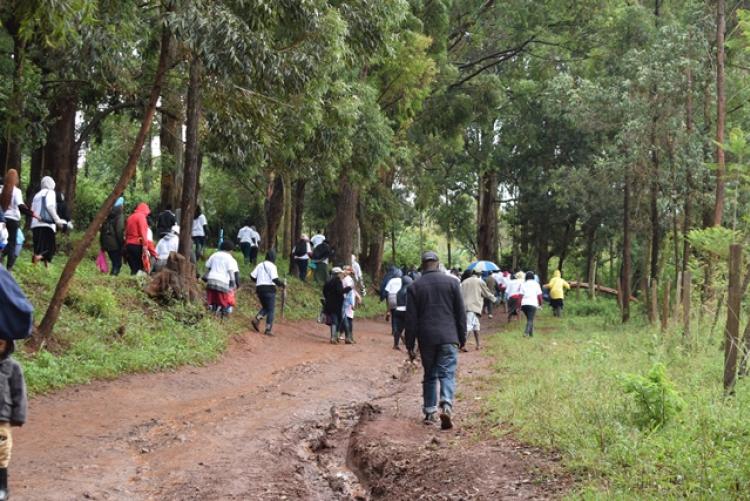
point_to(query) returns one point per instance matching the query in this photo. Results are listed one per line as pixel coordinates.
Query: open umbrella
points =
(15, 310)
(483, 266)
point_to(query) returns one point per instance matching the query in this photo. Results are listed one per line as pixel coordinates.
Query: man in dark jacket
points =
(435, 317)
(333, 292)
(111, 237)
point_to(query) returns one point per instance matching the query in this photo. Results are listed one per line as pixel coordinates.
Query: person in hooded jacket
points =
(136, 238)
(111, 235)
(45, 225)
(557, 288)
(168, 244)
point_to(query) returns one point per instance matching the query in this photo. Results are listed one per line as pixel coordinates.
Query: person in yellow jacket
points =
(557, 288)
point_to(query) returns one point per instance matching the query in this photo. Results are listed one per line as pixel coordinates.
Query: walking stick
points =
(283, 300)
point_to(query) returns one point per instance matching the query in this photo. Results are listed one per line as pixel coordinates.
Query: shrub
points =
(656, 399)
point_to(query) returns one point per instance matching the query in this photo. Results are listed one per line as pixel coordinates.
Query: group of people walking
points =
(46, 215)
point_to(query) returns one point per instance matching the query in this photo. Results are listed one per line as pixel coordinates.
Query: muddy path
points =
(289, 417)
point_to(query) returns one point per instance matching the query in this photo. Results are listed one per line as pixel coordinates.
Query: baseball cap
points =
(429, 256)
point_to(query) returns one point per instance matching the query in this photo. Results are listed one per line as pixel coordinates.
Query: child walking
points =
(12, 407)
(15, 323)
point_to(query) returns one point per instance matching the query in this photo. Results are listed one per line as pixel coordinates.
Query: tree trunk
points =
(655, 228)
(344, 225)
(11, 150)
(192, 148)
(59, 154)
(626, 258)
(79, 252)
(720, 113)
(487, 221)
(688, 205)
(297, 213)
(170, 139)
(38, 158)
(274, 210)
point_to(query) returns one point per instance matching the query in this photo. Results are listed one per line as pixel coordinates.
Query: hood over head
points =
(556, 274)
(48, 183)
(406, 281)
(142, 208)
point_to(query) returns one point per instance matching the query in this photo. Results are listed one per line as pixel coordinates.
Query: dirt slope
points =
(289, 417)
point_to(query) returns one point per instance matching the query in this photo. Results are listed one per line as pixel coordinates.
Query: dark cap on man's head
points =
(429, 256)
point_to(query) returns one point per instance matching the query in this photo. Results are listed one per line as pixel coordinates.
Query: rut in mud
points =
(289, 417)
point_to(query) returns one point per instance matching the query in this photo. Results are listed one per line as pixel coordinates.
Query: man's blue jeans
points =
(439, 363)
(267, 307)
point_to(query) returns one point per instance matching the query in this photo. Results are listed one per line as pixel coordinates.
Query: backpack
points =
(300, 249)
(320, 252)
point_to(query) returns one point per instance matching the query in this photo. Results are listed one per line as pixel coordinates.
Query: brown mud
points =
(288, 417)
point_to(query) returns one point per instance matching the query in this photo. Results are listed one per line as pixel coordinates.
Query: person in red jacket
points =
(136, 237)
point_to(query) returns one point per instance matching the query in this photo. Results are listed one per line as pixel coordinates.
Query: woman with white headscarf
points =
(44, 227)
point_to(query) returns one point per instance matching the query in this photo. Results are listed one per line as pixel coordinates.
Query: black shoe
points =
(446, 423)
(268, 332)
(430, 418)
(256, 324)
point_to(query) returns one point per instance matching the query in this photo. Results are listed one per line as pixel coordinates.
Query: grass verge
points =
(588, 387)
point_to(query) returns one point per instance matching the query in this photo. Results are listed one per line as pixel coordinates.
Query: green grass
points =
(565, 390)
(109, 327)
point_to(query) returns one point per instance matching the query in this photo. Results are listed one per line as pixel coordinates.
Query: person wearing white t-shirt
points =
(317, 240)
(200, 228)
(168, 244)
(245, 237)
(222, 279)
(266, 278)
(531, 300)
(12, 206)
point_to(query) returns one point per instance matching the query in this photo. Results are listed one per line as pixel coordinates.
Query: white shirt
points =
(249, 235)
(265, 273)
(513, 287)
(168, 243)
(16, 199)
(198, 224)
(150, 234)
(317, 240)
(531, 292)
(50, 201)
(393, 285)
(222, 267)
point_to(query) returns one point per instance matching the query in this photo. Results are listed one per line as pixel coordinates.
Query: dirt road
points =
(289, 417)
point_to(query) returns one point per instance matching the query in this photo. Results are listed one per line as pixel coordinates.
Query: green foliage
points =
(656, 400)
(564, 391)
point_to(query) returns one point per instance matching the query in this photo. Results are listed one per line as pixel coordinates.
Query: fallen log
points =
(599, 288)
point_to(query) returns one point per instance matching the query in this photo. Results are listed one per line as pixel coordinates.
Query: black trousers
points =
(10, 248)
(134, 256)
(116, 257)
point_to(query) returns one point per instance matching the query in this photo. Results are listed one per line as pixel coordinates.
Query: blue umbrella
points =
(16, 313)
(484, 266)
